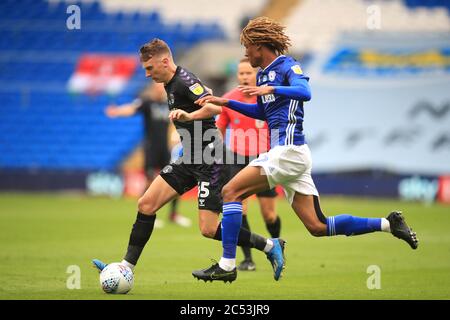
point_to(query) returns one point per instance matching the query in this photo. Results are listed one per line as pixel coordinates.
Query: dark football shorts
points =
(208, 177)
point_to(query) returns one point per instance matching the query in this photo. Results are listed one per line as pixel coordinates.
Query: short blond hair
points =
(154, 48)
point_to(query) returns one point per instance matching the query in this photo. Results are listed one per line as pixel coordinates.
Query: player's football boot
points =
(215, 273)
(99, 265)
(400, 229)
(247, 265)
(276, 257)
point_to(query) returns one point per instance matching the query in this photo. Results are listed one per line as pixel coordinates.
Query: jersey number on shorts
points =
(203, 190)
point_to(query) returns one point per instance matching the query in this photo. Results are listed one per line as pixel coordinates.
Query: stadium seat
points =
(42, 125)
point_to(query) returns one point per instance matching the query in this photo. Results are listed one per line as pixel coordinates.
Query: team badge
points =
(297, 69)
(197, 89)
(167, 169)
(272, 75)
(171, 99)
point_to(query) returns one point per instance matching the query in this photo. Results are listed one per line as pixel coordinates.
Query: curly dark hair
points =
(267, 32)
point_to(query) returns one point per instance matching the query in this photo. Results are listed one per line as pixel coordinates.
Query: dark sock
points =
(173, 207)
(274, 228)
(141, 232)
(246, 250)
(245, 239)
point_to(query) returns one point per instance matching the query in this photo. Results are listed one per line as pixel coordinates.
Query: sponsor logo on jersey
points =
(197, 89)
(297, 69)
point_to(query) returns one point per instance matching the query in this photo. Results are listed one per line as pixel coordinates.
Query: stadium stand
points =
(316, 29)
(42, 124)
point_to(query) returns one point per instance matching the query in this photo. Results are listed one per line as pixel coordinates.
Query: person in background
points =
(152, 104)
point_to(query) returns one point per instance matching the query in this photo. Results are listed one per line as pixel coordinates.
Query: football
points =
(116, 278)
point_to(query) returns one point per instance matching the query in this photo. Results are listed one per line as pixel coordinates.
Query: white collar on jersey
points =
(273, 62)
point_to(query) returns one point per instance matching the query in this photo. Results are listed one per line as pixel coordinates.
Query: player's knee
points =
(269, 216)
(145, 206)
(207, 231)
(317, 229)
(229, 194)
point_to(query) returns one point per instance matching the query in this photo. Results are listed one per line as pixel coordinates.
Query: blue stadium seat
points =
(41, 124)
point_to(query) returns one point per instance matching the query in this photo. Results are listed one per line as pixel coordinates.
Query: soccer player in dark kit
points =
(201, 163)
(152, 104)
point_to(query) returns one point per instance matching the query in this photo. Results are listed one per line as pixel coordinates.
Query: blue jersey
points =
(283, 114)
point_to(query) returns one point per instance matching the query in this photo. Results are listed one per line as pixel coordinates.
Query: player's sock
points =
(173, 208)
(227, 264)
(351, 225)
(246, 250)
(385, 225)
(231, 224)
(245, 238)
(141, 232)
(129, 265)
(274, 228)
(268, 246)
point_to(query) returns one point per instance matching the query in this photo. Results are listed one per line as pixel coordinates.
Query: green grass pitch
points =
(42, 235)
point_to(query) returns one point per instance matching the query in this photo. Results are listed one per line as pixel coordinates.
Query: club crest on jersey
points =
(297, 69)
(197, 89)
(171, 99)
(272, 75)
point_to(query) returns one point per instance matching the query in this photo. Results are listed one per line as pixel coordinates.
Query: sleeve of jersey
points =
(196, 91)
(298, 85)
(250, 110)
(139, 104)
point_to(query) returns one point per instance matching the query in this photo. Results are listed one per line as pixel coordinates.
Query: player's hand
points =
(180, 115)
(112, 111)
(212, 99)
(256, 91)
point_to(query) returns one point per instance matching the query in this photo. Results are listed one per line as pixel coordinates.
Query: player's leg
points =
(232, 169)
(162, 157)
(210, 227)
(152, 170)
(157, 195)
(247, 264)
(307, 208)
(174, 180)
(304, 199)
(246, 182)
(266, 201)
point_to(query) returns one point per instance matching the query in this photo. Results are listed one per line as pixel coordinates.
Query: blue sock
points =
(350, 225)
(231, 224)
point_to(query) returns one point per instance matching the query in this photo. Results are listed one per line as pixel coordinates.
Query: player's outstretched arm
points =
(299, 89)
(248, 109)
(126, 110)
(218, 101)
(207, 111)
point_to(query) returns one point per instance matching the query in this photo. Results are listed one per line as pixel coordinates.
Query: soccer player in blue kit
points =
(281, 91)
